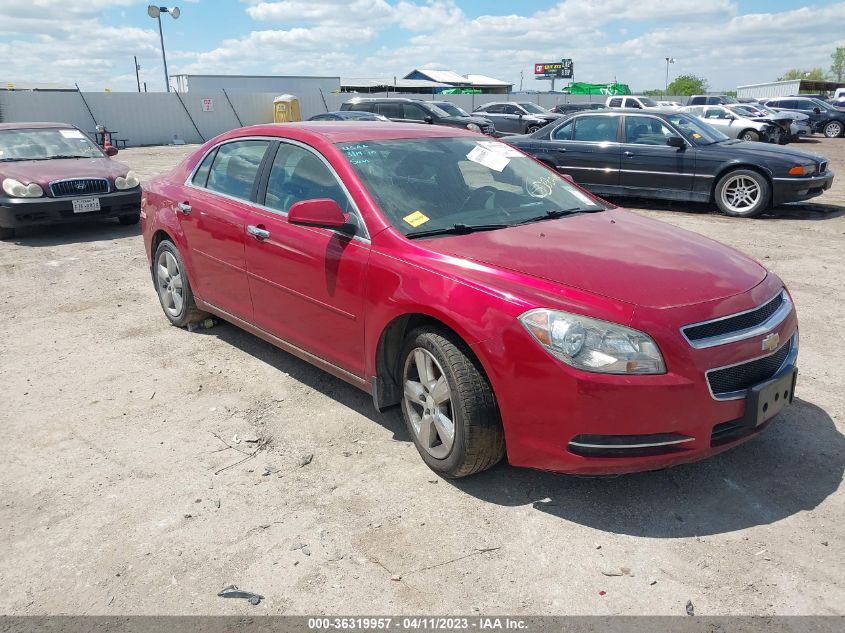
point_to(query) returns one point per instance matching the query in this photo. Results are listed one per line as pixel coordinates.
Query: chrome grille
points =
(735, 323)
(744, 375)
(79, 187)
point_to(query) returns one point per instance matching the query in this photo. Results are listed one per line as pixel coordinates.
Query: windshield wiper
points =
(558, 213)
(67, 156)
(457, 229)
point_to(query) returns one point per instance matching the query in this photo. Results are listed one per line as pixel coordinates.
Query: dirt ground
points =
(119, 494)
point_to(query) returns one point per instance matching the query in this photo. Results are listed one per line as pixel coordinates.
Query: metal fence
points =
(158, 118)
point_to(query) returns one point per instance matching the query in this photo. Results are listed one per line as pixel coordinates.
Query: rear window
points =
(596, 129)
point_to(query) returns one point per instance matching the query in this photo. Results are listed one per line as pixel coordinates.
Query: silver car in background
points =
(735, 125)
(794, 124)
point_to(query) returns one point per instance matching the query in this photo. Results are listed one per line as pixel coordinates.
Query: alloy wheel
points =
(428, 402)
(740, 194)
(170, 288)
(832, 130)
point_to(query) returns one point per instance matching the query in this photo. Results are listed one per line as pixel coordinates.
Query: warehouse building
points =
(788, 88)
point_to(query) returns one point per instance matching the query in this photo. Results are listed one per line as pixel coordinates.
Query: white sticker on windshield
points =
(581, 196)
(501, 148)
(71, 133)
(492, 160)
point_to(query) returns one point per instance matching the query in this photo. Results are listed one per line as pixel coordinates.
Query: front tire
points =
(742, 193)
(749, 135)
(833, 129)
(173, 287)
(448, 404)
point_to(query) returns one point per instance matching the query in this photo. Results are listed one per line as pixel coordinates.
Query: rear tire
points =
(833, 129)
(531, 129)
(129, 219)
(749, 135)
(7, 233)
(448, 404)
(173, 287)
(742, 193)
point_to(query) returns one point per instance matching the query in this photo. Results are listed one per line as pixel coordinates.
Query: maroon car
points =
(54, 173)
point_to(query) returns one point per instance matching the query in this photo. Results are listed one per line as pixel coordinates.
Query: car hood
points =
(768, 150)
(617, 254)
(45, 171)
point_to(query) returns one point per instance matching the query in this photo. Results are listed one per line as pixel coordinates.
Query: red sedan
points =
(506, 310)
(53, 173)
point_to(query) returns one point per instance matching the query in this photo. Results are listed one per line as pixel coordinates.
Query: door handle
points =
(560, 150)
(184, 208)
(257, 232)
(629, 154)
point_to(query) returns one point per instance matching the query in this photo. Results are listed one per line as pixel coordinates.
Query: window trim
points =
(189, 182)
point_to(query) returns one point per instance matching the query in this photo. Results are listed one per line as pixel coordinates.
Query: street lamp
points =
(155, 13)
(669, 60)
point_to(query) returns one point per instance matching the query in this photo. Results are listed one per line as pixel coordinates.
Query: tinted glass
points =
(695, 130)
(649, 103)
(641, 130)
(615, 103)
(564, 132)
(595, 128)
(298, 174)
(510, 109)
(390, 110)
(201, 175)
(235, 167)
(495, 108)
(451, 109)
(413, 112)
(431, 183)
(362, 107)
(533, 108)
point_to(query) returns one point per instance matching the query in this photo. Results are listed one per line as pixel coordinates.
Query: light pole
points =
(669, 60)
(155, 12)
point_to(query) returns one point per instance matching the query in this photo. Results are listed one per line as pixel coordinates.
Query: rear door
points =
(649, 163)
(587, 148)
(717, 116)
(213, 216)
(496, 113)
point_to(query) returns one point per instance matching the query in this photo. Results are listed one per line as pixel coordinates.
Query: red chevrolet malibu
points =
(503, 308)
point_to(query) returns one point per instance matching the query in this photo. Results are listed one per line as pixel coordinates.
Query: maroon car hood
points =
(617, 254)
(45, 171)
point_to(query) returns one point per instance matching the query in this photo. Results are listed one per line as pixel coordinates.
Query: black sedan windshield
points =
(695, 130)
(428, 184)
(46, 143)
(451, 109)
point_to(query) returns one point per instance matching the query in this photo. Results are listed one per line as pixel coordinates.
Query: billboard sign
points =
(552, 69)
(567, 69)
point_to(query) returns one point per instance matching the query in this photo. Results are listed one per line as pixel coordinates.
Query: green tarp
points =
(580, 88)
(459, 91)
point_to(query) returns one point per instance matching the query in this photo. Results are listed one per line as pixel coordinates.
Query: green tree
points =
(688, 85)
(837, 68)
(813, 74)
(656, 92)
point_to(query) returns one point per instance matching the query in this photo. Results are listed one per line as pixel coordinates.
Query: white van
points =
(629, 101)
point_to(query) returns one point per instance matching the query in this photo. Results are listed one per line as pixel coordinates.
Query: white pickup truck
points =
(629, 101)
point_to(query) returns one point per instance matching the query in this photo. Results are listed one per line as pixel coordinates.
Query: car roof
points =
(350, 131)
(33, 125)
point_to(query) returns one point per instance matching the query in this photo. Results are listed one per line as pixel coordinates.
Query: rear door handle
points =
(629, 154)
(257, 232)
(184, 208)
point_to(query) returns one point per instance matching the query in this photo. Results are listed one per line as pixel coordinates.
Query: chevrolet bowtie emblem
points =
(770, 343)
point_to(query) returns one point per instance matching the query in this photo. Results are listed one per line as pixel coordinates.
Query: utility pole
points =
(137, 76)
(669, 60)
(520, 80)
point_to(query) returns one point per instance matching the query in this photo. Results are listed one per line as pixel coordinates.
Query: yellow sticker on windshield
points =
(696, 135)
(416, 218)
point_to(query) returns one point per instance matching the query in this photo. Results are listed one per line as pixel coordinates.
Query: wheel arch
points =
(387, 389)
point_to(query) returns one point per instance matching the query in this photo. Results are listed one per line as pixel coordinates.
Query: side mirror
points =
(429, 119)
(676, 141)
(111, 151)
(320, 212)
(817, 110)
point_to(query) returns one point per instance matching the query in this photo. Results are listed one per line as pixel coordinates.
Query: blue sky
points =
(729, 42)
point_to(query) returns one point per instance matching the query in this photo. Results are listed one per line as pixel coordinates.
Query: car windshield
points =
(532, 108)
(821, 104)
(431, 184)
(46, 143)
(695, 130)
(649, 103)
(746, 111)
(451, 109)
(437, 110)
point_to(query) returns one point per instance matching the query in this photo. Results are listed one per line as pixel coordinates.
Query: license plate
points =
(85, 205)
(766, 400)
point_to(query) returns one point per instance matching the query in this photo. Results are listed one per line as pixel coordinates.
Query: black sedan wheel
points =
(742, 193)
(833, 129)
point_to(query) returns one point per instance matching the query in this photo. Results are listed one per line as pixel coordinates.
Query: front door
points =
(649, 163)
(587, 148)
(307, 283)
(213, 215)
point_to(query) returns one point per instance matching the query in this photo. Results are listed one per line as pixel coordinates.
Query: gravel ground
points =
(122, 494)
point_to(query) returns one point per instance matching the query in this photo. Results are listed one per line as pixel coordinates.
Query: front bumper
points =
(563, 420)
(19, 212)
(797, 189)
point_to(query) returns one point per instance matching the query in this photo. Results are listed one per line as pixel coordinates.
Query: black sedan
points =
(670, 155)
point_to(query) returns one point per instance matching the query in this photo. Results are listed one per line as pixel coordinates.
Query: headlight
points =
(129, 181)
(594, 345)
(802, 170)
(17, 189)
(474, 127)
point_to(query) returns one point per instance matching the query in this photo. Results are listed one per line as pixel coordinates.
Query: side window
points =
(496, 108)
(511, 109)
(390, 110)
(564, 132)
(598, 129)
(235, 167)
(632, 103)
(361, 107)
(642, 130)
(615, 102)
(413, 112)
(714, 113)
(201, 176)
(298, 174)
